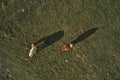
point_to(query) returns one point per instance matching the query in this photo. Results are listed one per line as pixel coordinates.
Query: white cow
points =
(32, 50)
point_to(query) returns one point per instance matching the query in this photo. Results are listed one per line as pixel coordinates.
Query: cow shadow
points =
(84, 36)
(48, 40)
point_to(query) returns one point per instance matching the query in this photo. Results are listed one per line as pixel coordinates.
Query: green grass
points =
(25, 21)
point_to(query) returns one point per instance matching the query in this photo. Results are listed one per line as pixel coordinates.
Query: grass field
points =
(95, 56)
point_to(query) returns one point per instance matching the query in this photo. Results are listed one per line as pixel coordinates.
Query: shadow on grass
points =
(84, 36)
(49, 40)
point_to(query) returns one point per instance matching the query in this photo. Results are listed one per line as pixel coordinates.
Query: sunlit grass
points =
(23, 22)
